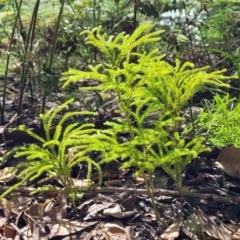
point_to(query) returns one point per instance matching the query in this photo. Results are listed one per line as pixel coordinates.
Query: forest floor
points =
(120, 209)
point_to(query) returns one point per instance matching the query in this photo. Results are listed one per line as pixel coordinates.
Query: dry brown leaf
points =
(7, 174)
(61, 203)
(211, 228)
(116, 230)
(116, 211)
(85, 205)
(8, 207)
(60, 230)
(172, 231)
(232, 229)
(66, 227)
(229, 158)
(36, 210)
(96, 209)
(3, 221)
(54, 209)
(39, 231)
(9, 232)
(110, 231)
(36, 225)
(38, 215)
(19, 200)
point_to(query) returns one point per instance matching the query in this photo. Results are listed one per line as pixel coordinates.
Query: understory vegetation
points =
(147, 85)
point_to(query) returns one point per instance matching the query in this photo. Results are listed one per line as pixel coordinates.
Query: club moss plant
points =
(51, 155)
(219, 121)
(145, 86)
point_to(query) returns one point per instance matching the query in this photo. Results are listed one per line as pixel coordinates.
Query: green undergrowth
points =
(219, 121)
(144, 85)
(151, 84)
(58, 152)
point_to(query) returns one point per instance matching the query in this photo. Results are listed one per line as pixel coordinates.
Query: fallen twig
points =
(158, 192)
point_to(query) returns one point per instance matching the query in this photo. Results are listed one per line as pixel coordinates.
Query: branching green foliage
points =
(151, 84)
(220, 121)
(52, 155)
(151, 94)
(117, 48)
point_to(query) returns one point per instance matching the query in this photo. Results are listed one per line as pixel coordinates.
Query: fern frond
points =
(30, 133)
(11, 152)
(53, 115)
(51, 143)
(30, 150)
(43, 169)
(96, 39)
(68, 115)
(45, 188)
(57, 133)
(69, 129)
(33, 155)
(73, 76)
(79, 134)
(12, 188)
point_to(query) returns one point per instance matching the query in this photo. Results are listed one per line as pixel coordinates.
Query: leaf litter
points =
(128, 214)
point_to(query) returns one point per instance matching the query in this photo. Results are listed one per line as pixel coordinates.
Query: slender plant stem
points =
(2, 109)
(51, 59)
(149, 185)
(27, 49)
